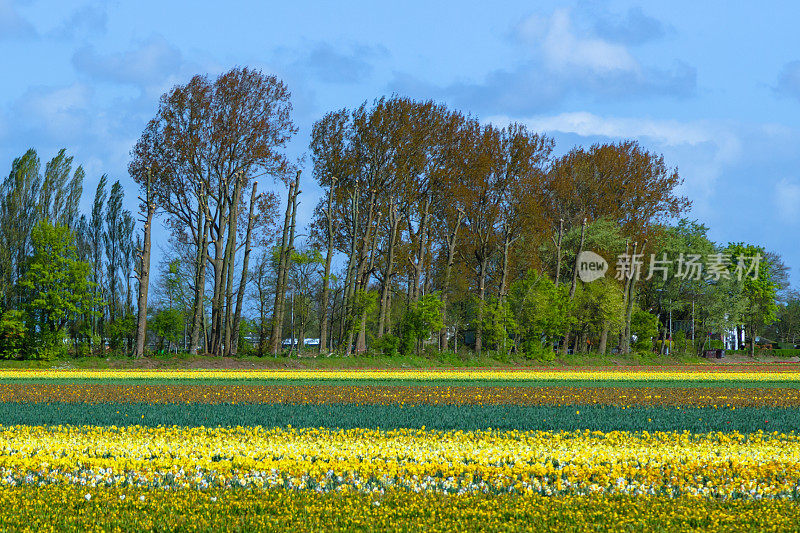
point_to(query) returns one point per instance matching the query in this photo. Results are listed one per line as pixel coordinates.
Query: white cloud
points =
(702, 150)
(153, 62)
(563, 49)
(560, 60)
(585, 124)
(56, 110)
(12, 24)
(789, 80)
(88, 20)
(787, 200)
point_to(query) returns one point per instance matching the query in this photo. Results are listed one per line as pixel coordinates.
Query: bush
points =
(12, 334)
(119, 330)
(83, 349)
(388, 345)
(669, 346)
(422, 319)
(786, 352)
(715, 344)
(535, 350)
(52, 346)
(168, 324)
(679, 340)
(644, 326)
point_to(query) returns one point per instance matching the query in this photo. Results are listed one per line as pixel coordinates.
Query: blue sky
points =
(714, 86)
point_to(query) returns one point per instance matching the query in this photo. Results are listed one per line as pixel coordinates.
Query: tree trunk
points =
(284, 282)
(230, 262)
(361, 342)
(144, 272)
(481, 300)
(365, 255)
(216, 298)
(427, 286)
(345, 327)
(601, 348)
(451, 252)
(574, 281)
(419, 263)
(237, 315)
(326, 281)
(200, 283)
(218, 264)
(558, 249)
(280, 290)
(633, 275)
(394, 224)
(575, 267)
(507, 241)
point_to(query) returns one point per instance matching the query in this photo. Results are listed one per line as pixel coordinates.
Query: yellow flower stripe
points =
(419, 375)
(374, 461)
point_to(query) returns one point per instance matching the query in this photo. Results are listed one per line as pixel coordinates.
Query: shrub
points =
(388, 345)
(532, 349)
(644, 326)
(12, 334)
(53, 346)
(715, 344)
(669, 346)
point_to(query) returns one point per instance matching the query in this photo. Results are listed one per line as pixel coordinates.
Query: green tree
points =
(499, 325)
(541, 310)
(644, 326)
(303, 271)
(12, 334)
(420, 321)
(759, 287)
(113, 248)
(168, 324)
(598, 311)
(58, 288)
(19, 195)
(787, 326)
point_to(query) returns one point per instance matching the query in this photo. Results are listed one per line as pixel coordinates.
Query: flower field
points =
(486, 450)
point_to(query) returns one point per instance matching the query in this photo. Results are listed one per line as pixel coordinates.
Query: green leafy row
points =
(443, 417)
(466, 381)
(127, 509)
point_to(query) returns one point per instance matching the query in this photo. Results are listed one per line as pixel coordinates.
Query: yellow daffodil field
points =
(401, 450)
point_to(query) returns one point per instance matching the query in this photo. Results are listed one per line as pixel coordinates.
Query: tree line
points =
(433, 231)
(64, 276)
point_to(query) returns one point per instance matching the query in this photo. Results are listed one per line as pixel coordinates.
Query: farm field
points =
(659, 449)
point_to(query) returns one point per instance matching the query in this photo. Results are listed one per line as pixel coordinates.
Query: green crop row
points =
(72, 508)
(443, 417)
(774, 382)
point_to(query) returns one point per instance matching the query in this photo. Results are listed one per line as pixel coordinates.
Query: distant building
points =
(307, 342)
(733, 339)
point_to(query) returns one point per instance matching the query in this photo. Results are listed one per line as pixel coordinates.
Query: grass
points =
(773, 383)
(309, 361)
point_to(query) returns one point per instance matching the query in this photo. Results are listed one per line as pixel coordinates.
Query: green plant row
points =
(82, 509)
(443, 417)
(777, 352)
(775, 383)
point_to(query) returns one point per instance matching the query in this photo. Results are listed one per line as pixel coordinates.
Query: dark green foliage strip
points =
(776, 383)
(505, 417)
